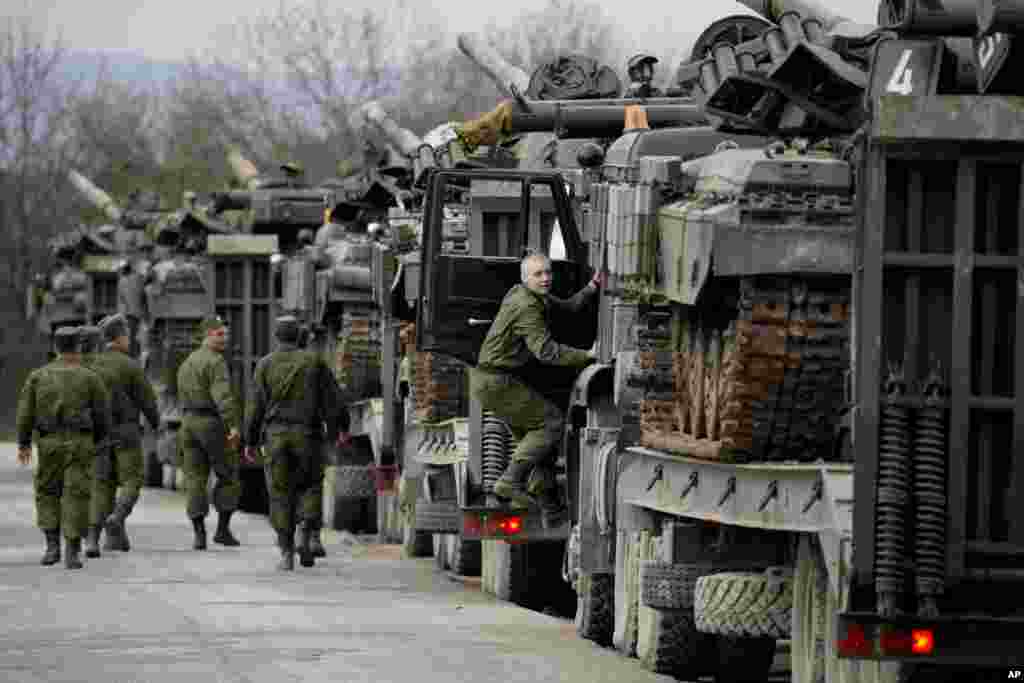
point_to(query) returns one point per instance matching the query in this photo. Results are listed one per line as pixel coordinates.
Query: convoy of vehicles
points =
(806, 345)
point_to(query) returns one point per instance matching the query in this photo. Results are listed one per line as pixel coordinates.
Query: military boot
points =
(286, 543)
(92, 541)
(52, 553)
(512, 484)
(305, 545)
(224, 535)
(199, 529)
(315, 544)
(72, 559)
(116, 532)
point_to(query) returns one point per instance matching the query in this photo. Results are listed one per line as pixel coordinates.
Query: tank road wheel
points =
(745, 604)
(595, 608)
(463, 556)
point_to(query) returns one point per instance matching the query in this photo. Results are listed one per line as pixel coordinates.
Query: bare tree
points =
(33, 133)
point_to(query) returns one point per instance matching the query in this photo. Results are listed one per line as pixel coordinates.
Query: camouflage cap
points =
(287, 328)
(65, 339)
(210, 323)
(114, 326)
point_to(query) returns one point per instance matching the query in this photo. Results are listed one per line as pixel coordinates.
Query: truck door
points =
(460, 295)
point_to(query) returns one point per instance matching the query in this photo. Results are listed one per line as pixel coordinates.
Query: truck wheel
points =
(441, 551)
(439, 517)
(743, 659)
(595, 608)
(632, 548)
(670, 586)
(668, 642)
(463, 556)
(744, 604)
(510, 575)
(416, 543)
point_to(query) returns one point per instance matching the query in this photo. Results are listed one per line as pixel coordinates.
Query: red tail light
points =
(856, 643)
(510, 525)
(923, 641)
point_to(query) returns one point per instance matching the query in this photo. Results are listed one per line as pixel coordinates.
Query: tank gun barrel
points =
(509, 79)
(580, 120)
(404, 140)
(772, 10)
(244, 170)
(95, 196)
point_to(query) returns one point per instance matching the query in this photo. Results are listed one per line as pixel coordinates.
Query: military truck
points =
(791, 437)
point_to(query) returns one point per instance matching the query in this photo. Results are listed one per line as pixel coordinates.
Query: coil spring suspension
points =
(496, 450)
(893, 495)
(930, 496)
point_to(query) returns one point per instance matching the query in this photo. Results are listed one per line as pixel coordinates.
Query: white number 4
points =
(900, 81)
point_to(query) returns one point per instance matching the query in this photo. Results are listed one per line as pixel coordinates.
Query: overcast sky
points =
(171, 29)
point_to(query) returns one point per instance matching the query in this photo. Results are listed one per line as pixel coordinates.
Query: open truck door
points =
(460, 295)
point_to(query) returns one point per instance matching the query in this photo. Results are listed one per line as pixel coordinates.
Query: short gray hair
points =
(531, 255)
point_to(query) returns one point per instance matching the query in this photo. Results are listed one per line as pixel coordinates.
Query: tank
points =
(405, 142)
(510, 80)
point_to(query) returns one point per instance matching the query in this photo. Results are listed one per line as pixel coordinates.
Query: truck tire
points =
(440, 543)
(743, 659)
(153, 471)
(744, 604)
(464, 556)
(669, 586)
(354, 481)
(595, 608)
(416, 543)
(668, 642)
(510, 576)
(442, 517)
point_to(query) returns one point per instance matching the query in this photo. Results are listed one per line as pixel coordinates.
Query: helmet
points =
(642, 58)
(590, 155)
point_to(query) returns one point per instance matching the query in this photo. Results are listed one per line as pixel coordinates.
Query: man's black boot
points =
(223, 535)
(511, 485)
(52, 553)
(286, 544)
(116, 532)
(72, 559)
(315, 544)
(199, 531)
(92, 541)
(305, 546)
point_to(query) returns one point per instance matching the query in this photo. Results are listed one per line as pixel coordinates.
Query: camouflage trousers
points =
(536, 422)
(128, 468)
(63, 479)
(294, 472)
(202, 441)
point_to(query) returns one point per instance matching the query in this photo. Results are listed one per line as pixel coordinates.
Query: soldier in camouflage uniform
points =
(121, 462)
(68, 407)
(89, 343)
(209, 436)
(517, 345)
(293, 396)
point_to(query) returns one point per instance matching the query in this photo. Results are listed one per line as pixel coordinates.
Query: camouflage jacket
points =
(204, 387)
(62, 397)
(130, 391)
(520, 336)
(294, 389)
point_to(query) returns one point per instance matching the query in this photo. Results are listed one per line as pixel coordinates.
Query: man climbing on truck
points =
(509, 380)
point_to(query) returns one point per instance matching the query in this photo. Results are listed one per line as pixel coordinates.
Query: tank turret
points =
(130, 219)
(510, 80)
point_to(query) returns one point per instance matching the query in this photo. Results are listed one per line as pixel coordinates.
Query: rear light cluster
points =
(491, 524)
(884, 640)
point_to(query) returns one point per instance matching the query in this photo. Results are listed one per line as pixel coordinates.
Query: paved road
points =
(166, 613)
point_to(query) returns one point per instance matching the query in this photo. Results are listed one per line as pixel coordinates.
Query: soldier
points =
(209, 436)
(313, 500)
(68, 407)
(293, 395)
(641, 72)
(507, 380)
(121, 463)
(89, 343)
